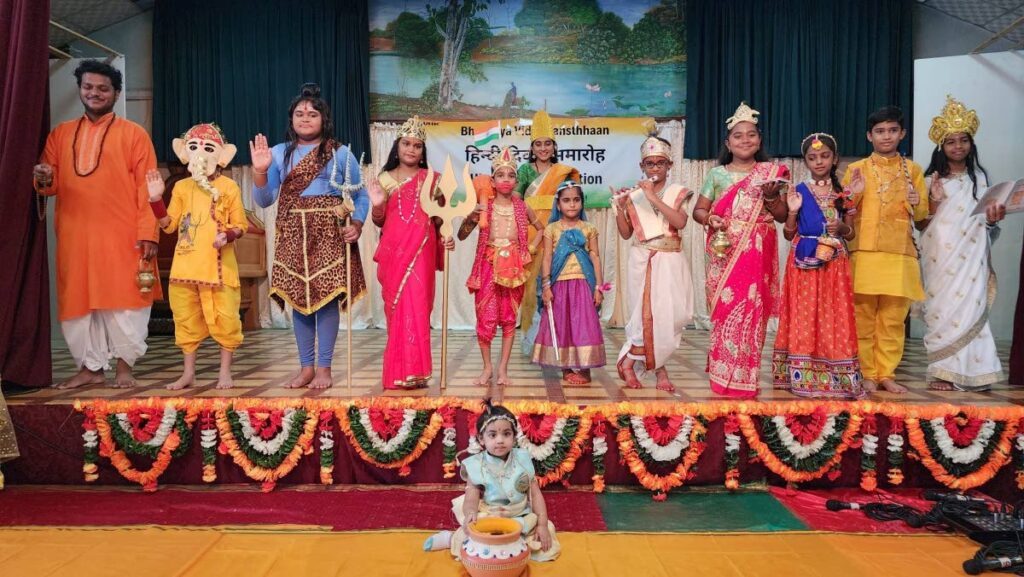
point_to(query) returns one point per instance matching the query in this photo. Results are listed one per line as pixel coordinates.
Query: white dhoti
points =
(960, 288)
(102, 335)
(660, 305)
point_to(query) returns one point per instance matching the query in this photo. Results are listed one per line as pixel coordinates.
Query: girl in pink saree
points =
(741, 198)
(407, 257)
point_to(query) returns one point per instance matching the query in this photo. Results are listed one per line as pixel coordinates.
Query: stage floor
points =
(268, 358)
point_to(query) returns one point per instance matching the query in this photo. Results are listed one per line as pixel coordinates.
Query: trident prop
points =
(447, 214)
(344, 213)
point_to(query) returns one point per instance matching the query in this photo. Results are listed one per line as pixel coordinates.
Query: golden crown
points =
(743, 113)
(653, 146)
(413, 128)
(505, 159)
(541, 126)
(954, 118)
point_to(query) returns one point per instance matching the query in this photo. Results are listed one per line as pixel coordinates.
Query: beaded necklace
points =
(99, 155)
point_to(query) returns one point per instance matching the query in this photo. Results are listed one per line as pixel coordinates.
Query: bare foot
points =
(869, 385)
(300, 380)
(664, 384)
(323, 379)
(83, 377)
(573, 378)
(186, 380)
(941, 385)
(503, 379)
(585, 375)
(485, 377)
(123, 378)
(629, 375)
(224, 381)
(892, 386)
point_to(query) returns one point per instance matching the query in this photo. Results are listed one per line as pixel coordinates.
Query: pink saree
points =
(742, 286)
(408, 254)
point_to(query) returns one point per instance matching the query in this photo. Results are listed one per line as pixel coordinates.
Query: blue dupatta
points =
(810, 225)
(571, 242)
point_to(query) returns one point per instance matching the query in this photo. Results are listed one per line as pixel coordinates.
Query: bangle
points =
(254, 171)
(787, 229)
(794, 212)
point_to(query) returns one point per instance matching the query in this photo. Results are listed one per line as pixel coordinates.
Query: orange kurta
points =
(100, 218)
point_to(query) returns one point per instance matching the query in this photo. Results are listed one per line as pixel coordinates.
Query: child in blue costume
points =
(500, 482)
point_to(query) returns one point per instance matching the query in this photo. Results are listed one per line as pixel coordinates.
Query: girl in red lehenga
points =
(741, 199)
(408, 254)
(816, 346)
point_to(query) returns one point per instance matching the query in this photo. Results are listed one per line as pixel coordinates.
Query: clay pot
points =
(495, 548)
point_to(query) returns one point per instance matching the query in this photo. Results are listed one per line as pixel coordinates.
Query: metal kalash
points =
(447, 215)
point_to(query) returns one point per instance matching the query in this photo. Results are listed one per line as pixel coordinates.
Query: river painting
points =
(571, 57)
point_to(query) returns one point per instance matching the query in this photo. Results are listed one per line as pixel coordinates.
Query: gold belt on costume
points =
(662, 244)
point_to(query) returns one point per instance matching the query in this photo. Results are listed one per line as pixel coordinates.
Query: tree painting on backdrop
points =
(485, 59)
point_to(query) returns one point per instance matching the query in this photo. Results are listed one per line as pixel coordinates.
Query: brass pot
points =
(146, 276)
(720, 243)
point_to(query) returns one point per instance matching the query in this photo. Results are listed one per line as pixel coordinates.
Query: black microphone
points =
(833, 505)
(976, 566)
(955, 497)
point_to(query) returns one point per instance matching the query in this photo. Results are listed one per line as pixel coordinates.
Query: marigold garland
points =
(208, 442)
(425, 426)
(266, 468)
(90, 439)
(448, 440)
(894, 450)
(789, 467)
(731, 429)
(326, 447)
(630, 455)
(868, 451)
(963, 476)
(557, 466)
(598, 449)
(162, 456)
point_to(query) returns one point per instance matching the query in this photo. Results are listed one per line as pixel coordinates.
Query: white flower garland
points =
(869, 444)
(894, 443)
(389, 446)
(166, 426)
(1020, 442)
(547, 448)
(600, 446)
(732, 442)
(448, 437)
(662, 453)
(799, 450)
(962, 455)
(474, 446)
(326, 441)
(208, 438)
(270, 446)
(91, 439)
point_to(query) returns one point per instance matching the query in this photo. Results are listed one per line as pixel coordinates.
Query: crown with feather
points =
(652, 145)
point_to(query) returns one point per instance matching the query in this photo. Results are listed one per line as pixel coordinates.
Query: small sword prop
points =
(551, 325)
(447, 214)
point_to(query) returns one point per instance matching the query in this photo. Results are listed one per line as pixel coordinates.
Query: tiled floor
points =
(268, 358)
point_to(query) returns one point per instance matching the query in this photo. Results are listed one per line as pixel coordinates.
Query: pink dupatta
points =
(743, 286)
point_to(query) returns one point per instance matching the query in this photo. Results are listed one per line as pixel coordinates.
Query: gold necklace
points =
(883, 187)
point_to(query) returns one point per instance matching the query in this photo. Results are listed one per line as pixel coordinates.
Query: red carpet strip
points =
(349, 510)
(809, 506)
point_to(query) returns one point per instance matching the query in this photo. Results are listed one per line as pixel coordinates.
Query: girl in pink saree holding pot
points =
(740, 202)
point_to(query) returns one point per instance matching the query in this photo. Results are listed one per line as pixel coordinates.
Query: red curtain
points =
(24, 121)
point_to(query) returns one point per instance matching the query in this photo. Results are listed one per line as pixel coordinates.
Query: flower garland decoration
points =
(124, 428)
(732, 451)
(555, 443)
(599, 448)
(868, 450)
(801, 451)
(326, 439)
(208, 442)
(407, 432)
(448, 438)
(962, 451)
(894, 448)
(267, 442)
(473, 446)
(643, 442)
(90, 439)
(1019, 442)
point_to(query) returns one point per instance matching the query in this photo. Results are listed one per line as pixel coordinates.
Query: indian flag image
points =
(486, 133)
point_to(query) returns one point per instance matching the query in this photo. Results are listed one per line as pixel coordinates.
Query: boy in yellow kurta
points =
(889, 195)
(207, 213)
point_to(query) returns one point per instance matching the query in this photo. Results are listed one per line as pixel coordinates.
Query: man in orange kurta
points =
(96, 167)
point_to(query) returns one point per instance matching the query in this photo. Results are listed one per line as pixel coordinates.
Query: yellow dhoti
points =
(204, 311)
(880, 333)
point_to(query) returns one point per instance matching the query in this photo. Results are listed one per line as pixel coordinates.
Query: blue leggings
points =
(322, 325)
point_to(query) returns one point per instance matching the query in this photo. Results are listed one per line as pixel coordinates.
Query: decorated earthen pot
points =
(495, 548)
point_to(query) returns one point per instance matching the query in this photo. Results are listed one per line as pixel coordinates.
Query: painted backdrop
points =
(473, 59)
